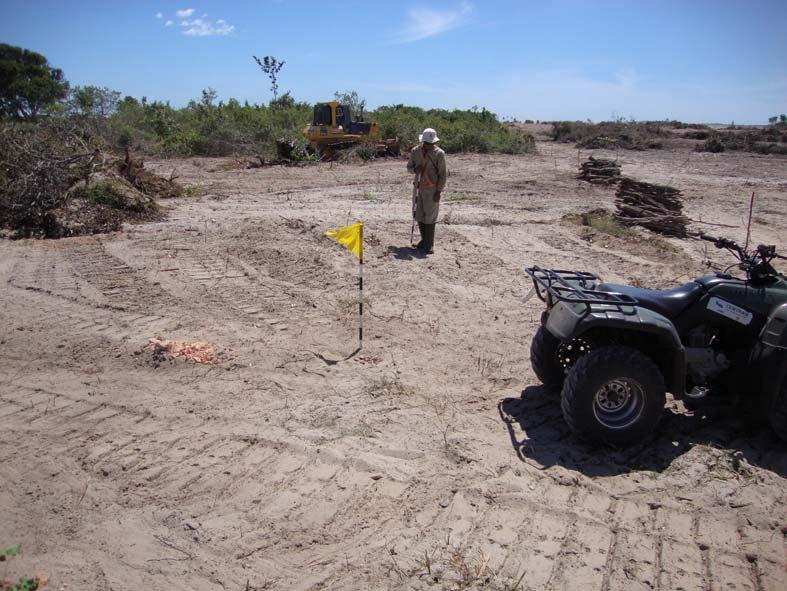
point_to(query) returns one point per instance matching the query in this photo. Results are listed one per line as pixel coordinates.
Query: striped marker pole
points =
(360, 295)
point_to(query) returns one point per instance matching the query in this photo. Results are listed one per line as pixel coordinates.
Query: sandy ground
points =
(430, 460)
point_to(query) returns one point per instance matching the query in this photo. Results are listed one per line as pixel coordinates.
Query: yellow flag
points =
(350, 236)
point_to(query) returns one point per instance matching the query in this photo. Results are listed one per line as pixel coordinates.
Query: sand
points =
(432, 459)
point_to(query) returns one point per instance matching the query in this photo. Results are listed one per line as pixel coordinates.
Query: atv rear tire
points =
(778, 414)
(613, 395)
(544, 360)
(551, 360)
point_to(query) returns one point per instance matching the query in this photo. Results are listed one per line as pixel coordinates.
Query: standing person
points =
(427, 162)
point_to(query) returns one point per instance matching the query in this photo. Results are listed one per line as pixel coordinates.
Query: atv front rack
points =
(574, 287)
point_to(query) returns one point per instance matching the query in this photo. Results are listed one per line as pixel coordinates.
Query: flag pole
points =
(360, 295)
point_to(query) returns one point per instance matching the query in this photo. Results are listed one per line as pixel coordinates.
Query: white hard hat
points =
(429, 136)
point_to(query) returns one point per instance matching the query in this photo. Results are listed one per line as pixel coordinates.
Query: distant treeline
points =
(33, 91)
(208, 127)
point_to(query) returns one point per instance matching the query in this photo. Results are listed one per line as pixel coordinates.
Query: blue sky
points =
(695, 60)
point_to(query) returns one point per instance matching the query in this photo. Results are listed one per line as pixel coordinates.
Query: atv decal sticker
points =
(729, 310)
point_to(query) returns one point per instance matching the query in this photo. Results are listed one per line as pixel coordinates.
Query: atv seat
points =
(667, 302)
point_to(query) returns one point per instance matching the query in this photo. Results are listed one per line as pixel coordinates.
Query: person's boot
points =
(429, 240)
(422, 232)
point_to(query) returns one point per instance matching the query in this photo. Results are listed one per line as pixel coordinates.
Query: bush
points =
(115, 194)
(760, 141)
(630, 135)
(207, 127)
(711, 145)
(222, 129)
(572, 131)
(470, 130)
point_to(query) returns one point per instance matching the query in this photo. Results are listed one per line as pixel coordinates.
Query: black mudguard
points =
(772, 362)
(570, 321)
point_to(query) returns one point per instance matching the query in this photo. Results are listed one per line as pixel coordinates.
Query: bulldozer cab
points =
(332, 114)
(332, 128)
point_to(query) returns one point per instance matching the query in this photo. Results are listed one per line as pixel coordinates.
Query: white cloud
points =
(159, 15)
(423, 23)
(204, 27)
(199, 27)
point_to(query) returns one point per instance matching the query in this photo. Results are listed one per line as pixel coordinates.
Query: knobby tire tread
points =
(610, 361)
(543, 359)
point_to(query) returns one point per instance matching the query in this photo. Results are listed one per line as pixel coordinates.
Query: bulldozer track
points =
(605, 544)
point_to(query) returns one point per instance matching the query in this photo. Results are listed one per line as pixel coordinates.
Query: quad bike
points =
(614, 350)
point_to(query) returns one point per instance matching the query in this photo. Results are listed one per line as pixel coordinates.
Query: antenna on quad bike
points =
(748, 224)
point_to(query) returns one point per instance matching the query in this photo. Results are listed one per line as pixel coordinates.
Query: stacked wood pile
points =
(600, 171)
(656, 207)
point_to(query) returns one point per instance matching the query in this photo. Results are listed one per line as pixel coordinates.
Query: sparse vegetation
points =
(768, 140)
(388, 387)
(114, 196)
(602, 221)
(22, 583)
(598, 222)
(471, 130)
(627, 135)
(360, 429)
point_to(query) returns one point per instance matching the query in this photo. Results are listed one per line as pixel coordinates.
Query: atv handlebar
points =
(722, 242)
(754, 263)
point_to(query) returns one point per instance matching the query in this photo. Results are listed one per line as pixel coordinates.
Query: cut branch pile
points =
(656, 207)
(55, 182)
(600, 171)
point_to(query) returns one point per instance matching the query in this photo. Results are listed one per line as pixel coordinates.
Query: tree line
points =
(32, 90)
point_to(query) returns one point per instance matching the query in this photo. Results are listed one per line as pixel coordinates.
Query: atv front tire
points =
(613, 395)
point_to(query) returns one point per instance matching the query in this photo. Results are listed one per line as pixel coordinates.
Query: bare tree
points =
(271, 66)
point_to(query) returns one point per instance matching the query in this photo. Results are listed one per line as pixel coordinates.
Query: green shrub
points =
(23, 583)
(470, 130)
(712, 144)
(601, 220)
(628, 135)
(115, 196)
(207, 127)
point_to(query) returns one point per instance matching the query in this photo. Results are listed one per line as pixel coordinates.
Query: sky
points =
(694, 60)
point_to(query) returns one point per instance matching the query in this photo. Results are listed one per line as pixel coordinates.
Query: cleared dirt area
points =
(431, 459)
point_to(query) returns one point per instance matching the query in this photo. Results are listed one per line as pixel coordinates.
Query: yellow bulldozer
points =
(332, 129)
